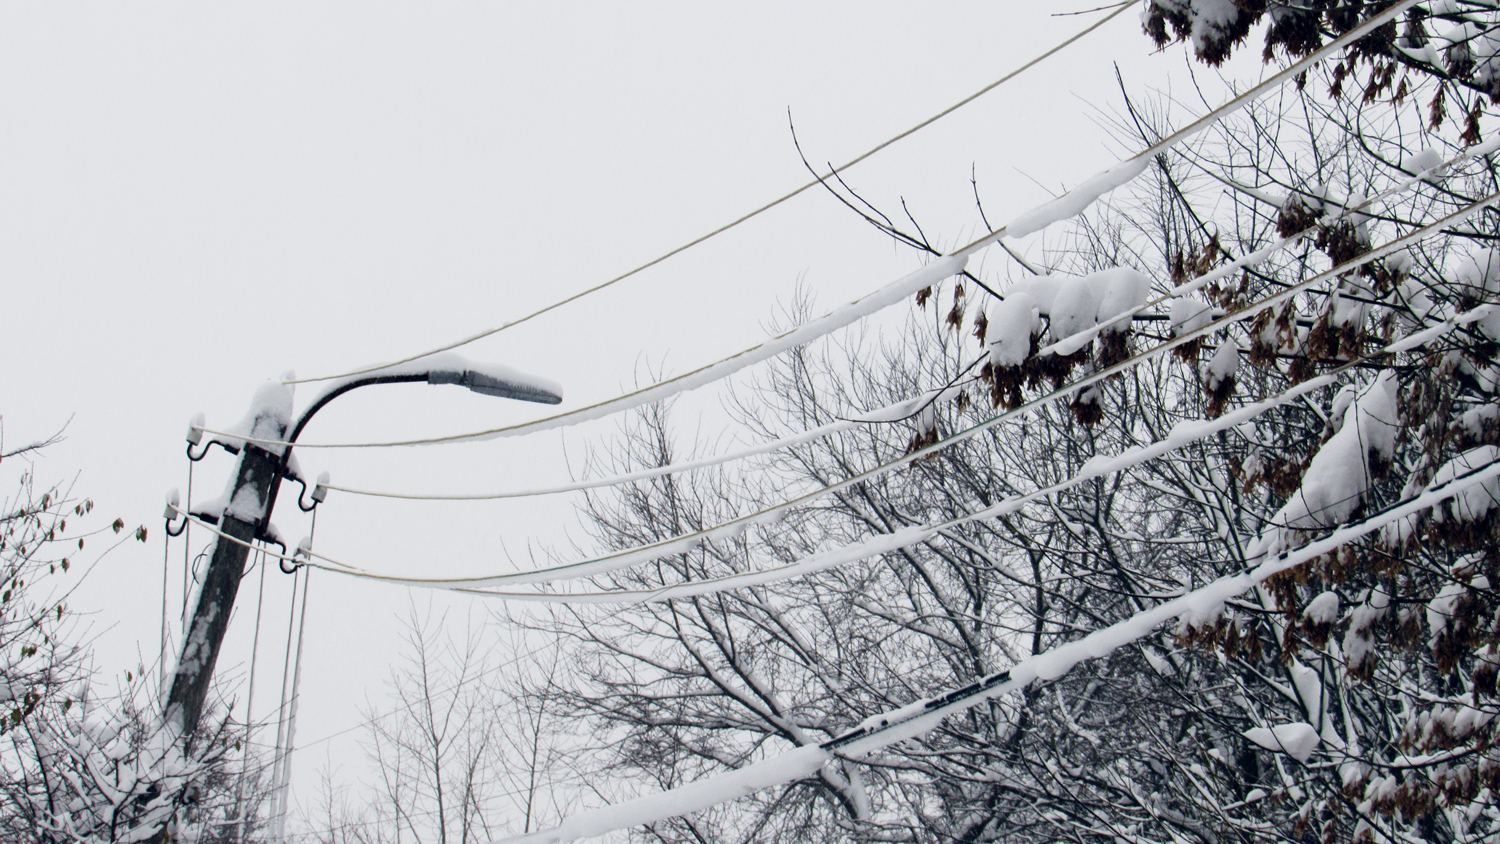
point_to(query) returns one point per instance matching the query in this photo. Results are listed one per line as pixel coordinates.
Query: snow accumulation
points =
(1298, 739)
(1478, 273)
(1079, 308)
(1428, 162)
(1324, 609)
(267, 420)
(247, 505)
(1074, 309)
(1075, 201)
(1221, 367)
(1471, 44)
(787, 767)
(1013, 322)
(451, 362)
(1342, 470)
(1475, 502)
(1440, 608)
(1189, 314)
(1475, 420)
(1125, 290)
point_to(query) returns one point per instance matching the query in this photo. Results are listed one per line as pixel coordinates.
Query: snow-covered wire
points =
(684, 542)
(1101, 466)
(921, 717)
(1069, 204)
(899, 408)
(1180, 436)
(789, 195)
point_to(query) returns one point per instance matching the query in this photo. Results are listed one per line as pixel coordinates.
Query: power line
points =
(1069, 204)
(1052, 51)
(882, 543)
(1074, 340)
(619, 559)
(919, 718)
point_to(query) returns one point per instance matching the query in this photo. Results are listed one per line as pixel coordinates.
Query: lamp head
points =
(499, 386)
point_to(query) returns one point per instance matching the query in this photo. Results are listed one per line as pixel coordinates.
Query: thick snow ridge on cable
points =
(1009, 344)
(1095, 467)
(1099, 466)
(1075, 201)
(1343, 469)
(896, 291)
(938, 270)
(917, 719)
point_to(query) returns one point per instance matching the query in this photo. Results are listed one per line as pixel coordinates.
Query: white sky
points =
(195, 197)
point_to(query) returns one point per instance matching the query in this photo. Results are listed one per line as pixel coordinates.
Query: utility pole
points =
(246, 515)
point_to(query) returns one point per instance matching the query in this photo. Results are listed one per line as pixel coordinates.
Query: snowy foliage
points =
(78, 764)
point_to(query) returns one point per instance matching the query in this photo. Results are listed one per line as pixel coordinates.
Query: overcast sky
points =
(197, 197)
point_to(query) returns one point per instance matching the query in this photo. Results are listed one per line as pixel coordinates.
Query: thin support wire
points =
(291, 719)
(239, 800)
(187, 545)
(281, 709)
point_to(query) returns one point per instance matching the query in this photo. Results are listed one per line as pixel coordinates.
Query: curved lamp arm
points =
(475, 381)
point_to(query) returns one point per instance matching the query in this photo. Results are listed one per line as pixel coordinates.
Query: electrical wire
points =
(619, 559)
(1075, 340)
(882, 543)
(550, 644)
(913, 535)
(921, 717)
(1033, 62)
(1067, 205)
(166, 553)
(320, 741)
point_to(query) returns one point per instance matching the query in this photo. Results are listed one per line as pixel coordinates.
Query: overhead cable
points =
(1100, 466)
(1341, 211)
(620, 559)
(614, 561)
(1033, 62)
(1067, 205)
(919, 718)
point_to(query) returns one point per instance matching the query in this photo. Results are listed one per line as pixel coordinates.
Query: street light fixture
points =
(247, 513)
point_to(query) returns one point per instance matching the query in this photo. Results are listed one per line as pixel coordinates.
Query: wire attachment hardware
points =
(173, 513)
(299, 557)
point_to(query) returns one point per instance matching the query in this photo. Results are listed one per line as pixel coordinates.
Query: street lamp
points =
(246, 515)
